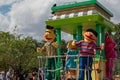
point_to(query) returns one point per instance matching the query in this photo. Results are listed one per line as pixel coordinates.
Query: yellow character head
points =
(70, 46)
(49, 34)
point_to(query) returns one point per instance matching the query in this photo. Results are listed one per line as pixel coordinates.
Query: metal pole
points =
(38, 67)
(79, 38)
(103, 51)
(74, 36)
(88, 67)
(94, 68)
(55, 68)
(58, 30)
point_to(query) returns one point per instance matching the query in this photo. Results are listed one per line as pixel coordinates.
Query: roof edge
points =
(76, 4)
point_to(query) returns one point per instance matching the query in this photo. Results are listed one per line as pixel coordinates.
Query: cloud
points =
(113, 6)
(8, 2)
(4, 23)
(30, 15)
(66, 36)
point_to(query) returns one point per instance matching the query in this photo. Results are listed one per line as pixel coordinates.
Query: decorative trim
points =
(90, 12)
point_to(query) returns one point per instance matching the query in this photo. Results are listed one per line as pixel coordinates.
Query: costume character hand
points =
(73, 42)
(55, 44)
(102, 46)
(38, 49)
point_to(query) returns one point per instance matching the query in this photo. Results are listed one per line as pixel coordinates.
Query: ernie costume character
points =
(51, 50)
(87, 47)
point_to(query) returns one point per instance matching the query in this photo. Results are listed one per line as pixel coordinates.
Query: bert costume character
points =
(51, 50)
(87, 47)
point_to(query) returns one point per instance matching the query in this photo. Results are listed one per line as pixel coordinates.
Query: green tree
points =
(5, 46)
(116, 37)
(63, 46)
(18, 52)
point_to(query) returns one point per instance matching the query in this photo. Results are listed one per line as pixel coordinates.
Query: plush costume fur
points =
(70, 63)
(110, 55)
(87, 47)
(50, 47)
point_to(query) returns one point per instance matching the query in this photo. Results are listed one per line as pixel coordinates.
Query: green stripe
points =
(76, 4)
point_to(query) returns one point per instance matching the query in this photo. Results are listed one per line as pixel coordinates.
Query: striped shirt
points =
(87, 49)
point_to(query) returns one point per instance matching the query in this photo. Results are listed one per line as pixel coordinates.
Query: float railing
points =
(43, 69)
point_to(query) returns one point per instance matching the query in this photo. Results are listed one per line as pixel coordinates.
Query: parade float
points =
(75, 17)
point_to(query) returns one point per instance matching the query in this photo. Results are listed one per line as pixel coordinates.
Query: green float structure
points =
(74, 17)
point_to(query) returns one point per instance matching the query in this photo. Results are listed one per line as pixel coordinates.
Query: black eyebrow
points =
(49, 27)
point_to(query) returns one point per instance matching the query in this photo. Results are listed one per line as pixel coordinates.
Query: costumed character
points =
(70, 62)
(87, 52)
(51, 50)
(110, 55)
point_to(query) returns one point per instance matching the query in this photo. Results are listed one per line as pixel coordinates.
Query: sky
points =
(30, 15)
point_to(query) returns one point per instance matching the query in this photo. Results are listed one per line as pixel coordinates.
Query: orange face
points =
(49, 35)
(89, 36)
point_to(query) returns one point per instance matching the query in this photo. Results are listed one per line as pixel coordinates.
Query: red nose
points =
(90, 35)
(46, 36)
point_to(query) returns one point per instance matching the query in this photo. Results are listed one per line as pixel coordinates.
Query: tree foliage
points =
(116, 37)
(17, 52)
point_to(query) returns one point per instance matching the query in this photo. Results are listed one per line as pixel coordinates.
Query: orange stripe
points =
(87, 51)
(84, 46)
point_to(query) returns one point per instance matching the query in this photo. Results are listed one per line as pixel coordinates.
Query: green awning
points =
(69, 25)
